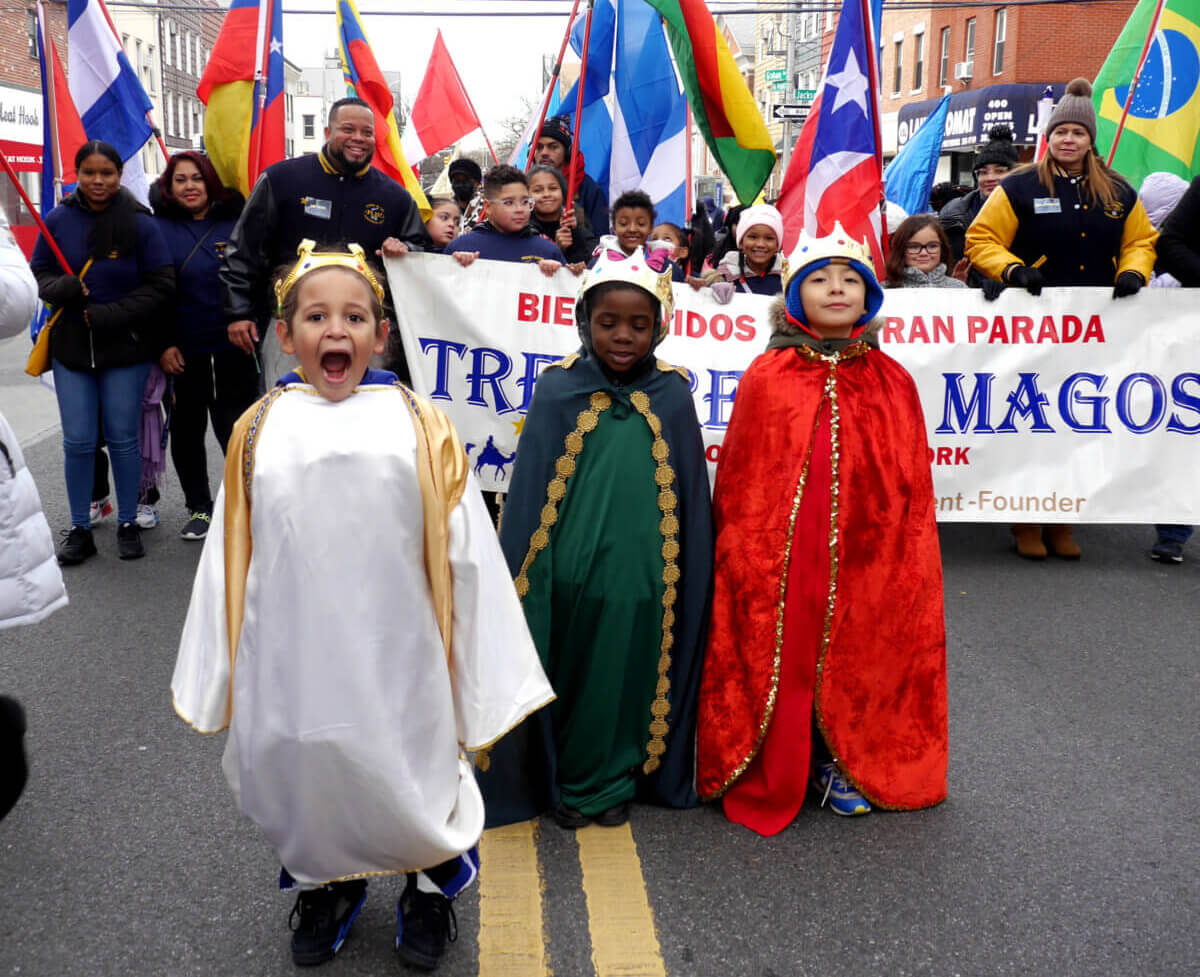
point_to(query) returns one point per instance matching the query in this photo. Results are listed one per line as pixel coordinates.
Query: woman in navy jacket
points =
(110, 328)
(212, 378)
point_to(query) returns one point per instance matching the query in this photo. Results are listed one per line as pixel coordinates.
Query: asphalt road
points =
(1068, 845)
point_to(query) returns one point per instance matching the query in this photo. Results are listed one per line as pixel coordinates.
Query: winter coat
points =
(196, 247)
(1068, 237)
(31, 586)
(496, 245)
(1179, 238)
(915, 278)
(129, 294)
(310, 197)
(956, 217)
(583, 241)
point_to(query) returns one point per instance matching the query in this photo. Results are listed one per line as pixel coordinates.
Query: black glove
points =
(991, 289)
(66, 290)
(1128, 283)
(1027, 278)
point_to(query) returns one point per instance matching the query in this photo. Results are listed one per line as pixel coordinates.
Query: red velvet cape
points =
(879, 690)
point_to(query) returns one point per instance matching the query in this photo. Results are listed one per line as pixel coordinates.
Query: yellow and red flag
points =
(363, 75)
(242, 87)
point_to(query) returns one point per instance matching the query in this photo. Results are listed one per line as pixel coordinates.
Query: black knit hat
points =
(557, 127)
(999, 150)
(467, 167)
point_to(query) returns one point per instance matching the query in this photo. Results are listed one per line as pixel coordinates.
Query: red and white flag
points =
(442, 113)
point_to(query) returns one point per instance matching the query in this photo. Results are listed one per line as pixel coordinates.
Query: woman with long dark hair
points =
(212, 378)
(110, 328)
(1066, 220)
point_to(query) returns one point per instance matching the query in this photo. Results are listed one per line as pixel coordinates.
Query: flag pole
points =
(873, 78)
(37, 218)
(262, 39)
(562, 51)
(1134, 81)
(51, 105)
(573, 178)
(687, 131)
(149, 115)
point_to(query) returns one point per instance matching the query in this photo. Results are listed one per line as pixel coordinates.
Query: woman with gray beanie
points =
(1066, 220)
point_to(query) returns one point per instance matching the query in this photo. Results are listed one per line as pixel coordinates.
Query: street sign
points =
(776, 74)
(779, 86)
(790, 113)
(805, 96)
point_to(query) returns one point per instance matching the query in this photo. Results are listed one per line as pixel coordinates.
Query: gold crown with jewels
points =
(355, 259)
(632, 270)
(836, 244)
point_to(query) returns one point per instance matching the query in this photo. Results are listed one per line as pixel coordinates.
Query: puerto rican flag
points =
(836, 169)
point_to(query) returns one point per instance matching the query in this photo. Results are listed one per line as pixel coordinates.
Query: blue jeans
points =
(1176, 534)
(85, 400)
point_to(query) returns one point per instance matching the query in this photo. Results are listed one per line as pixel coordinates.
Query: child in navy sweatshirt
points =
(505, 234)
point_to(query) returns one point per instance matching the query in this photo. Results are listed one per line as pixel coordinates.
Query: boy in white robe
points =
(354, 626)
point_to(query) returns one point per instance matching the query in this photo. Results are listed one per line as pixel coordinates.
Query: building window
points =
(178, 54)
(828, 20)
(969, 47)
(310, 126)
(31, 28)
(1001, 31)
(153, 85)
(899, 69)
(918, 62)
(187, 51)
(195, 118)
(944, 62)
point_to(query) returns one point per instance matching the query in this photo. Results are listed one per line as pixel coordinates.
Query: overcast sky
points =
(499, 58)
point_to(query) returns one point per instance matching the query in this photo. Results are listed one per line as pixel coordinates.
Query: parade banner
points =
(1065, 407)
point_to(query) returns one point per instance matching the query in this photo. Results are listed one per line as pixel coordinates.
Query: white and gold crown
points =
(632, 270)
(837, 244)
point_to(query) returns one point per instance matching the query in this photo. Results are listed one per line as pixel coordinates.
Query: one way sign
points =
(790, 113)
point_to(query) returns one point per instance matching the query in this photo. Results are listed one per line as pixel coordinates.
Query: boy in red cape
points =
(827, 636)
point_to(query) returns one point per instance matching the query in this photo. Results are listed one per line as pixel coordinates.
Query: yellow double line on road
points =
(512, 936)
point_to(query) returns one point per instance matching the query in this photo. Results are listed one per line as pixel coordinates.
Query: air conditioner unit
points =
(964, 70)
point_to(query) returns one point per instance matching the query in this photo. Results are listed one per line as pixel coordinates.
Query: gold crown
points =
(355, 260)
(633, 270)
(836, 244)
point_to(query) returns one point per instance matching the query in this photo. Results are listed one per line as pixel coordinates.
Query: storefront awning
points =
(973, 113)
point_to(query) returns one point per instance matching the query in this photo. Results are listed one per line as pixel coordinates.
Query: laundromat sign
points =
(972, 114)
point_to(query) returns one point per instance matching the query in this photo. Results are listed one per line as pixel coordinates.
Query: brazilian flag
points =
(1162, 130)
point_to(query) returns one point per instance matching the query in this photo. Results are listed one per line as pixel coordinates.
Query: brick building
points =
(995, 62)
(186, 39)
(21, 103)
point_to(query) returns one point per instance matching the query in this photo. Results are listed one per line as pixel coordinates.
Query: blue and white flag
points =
(641, 143)
(649, 143)
(909, 177)
(106, 89)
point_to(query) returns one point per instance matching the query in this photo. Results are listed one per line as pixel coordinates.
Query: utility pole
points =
(789, 38)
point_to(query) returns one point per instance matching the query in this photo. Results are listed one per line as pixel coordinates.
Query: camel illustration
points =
(492, 457)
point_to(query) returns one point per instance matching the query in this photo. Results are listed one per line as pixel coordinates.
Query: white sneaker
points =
(101, 510)
(147, 516)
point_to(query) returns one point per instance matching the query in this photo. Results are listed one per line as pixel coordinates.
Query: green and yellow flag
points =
(1162, 130)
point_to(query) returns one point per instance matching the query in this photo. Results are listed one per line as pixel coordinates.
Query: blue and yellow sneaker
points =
(837, 790)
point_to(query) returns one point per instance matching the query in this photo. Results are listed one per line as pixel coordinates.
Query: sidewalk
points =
(28, 404)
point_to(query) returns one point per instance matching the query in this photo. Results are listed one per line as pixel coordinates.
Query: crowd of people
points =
(626, 634)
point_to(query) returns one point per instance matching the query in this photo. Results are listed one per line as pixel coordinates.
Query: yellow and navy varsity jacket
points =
(1070, 238)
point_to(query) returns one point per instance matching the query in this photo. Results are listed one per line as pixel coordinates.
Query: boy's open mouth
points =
(334, 365)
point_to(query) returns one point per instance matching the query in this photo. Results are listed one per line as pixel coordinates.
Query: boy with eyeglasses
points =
(505, 233)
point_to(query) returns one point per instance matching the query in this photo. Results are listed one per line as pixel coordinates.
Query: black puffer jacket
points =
(122, 319)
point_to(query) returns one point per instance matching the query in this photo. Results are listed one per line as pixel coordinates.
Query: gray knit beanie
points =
(1075, 106)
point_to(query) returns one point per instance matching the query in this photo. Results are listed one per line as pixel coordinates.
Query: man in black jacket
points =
(331, 196)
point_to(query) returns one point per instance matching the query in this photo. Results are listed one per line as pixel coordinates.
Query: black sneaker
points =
(197, 525)
(321, 920)
(424, 923)
(129, 541)
(614, 817)
(1167, 551)
(77, 546)
(569, 818)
